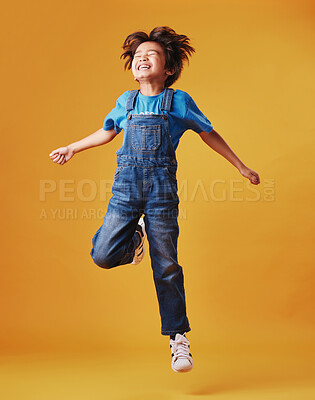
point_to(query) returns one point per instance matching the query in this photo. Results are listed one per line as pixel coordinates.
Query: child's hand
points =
(61, 155)
(251, 175)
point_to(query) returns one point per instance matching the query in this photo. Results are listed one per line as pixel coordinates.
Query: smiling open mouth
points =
(143, 66)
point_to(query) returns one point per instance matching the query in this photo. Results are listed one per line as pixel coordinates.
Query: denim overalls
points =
(145, 183)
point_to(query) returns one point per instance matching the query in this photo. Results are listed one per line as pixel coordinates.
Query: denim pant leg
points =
(167, 273)
(115, 241)
(161, 213)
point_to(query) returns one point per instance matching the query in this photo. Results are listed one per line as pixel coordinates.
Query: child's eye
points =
(149, 54)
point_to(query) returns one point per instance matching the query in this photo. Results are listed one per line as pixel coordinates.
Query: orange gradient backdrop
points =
(246, 250)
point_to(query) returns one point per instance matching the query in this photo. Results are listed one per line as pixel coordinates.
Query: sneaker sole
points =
(182, 370)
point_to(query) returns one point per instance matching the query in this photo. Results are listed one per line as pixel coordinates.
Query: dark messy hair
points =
(176, 49)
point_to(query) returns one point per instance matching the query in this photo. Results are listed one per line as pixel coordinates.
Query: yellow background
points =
(247, 256)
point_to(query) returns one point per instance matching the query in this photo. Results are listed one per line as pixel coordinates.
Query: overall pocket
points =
(145, 138)
(118, 171)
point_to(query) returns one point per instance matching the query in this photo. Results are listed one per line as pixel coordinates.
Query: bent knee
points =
(102, 261)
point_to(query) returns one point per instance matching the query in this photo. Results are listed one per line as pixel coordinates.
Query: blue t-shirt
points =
(184, 114)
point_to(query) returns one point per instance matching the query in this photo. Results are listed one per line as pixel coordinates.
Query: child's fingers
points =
(61, 159)
(54, 153)
(56, 159)
(255, 179)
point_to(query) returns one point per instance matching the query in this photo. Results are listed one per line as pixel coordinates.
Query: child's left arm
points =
(217, 143)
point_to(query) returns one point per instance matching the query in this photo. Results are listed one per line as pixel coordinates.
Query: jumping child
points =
(153, 118)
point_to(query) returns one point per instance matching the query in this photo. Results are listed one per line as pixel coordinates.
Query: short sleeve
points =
(116, 116)
(195, 119)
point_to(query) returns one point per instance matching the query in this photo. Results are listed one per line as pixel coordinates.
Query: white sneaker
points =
(139, 251)
(181, 357)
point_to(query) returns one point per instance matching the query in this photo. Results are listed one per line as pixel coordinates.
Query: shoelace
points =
(180, 348)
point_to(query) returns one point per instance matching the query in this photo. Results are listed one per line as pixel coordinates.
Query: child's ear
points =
(171, 71)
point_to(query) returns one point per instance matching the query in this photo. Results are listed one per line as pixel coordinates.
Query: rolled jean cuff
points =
(181, 331)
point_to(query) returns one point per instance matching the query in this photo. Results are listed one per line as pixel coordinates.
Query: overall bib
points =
(145, 183)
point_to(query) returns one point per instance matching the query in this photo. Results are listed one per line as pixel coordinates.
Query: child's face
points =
(148, 63)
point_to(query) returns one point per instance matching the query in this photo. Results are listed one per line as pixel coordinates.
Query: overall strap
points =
(167, 99)
(130, 104)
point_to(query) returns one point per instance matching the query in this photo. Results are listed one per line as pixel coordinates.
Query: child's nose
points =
(143, 57)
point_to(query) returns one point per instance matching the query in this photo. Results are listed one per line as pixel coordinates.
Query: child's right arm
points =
(64, 154)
